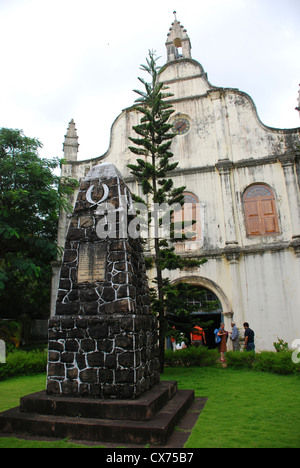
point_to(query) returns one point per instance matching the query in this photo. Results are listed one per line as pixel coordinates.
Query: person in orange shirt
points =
(197, 336)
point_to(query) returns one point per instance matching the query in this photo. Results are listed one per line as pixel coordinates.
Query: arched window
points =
(190, 216)
(178, 48)
(260, 211)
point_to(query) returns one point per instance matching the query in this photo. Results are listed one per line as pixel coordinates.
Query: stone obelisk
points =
(103, 338)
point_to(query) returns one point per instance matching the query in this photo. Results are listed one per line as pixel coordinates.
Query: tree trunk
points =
(161, 311)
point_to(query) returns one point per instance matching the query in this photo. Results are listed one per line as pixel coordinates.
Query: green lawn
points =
(244, 408)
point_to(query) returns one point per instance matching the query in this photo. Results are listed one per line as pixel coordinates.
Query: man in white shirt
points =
(235, 337)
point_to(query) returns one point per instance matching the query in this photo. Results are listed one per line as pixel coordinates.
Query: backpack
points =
(217, 338)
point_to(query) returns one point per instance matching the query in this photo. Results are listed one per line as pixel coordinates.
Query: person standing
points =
(197, 336)
(249, 338)
(222, 345)
(235, 337)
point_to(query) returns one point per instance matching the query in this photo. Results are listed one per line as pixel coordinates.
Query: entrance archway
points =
(209, 318)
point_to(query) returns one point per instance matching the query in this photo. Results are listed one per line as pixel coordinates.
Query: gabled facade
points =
(242, 177)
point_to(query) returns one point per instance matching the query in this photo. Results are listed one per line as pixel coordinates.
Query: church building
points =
(242, 181)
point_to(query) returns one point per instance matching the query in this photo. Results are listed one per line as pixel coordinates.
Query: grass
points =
(12, 442)
(11, 390)
(245, 409)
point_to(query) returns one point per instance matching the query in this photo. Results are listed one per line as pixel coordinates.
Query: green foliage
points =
(11, 332)
(265, 361)
(180, 304)
(22, 362)
(31, 196)
(192, 357)
(152, 170)
(277, 363)
(280, 345)
(240, 359)
(156, 138)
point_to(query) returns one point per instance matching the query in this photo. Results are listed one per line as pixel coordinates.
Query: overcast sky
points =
(64, 59)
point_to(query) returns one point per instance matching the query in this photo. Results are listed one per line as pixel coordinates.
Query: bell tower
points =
(178, 42)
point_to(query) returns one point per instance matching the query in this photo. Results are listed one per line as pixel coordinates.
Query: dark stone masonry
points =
(103, 338)
(103, 368)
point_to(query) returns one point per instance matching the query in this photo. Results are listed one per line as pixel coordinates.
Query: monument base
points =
(150, 419)
(103, 356)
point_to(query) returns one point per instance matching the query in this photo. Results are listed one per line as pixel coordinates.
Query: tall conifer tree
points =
(152, 171)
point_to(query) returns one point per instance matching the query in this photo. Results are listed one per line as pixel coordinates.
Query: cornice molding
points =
(234, 253)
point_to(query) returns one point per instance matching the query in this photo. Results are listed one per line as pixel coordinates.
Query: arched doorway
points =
(208, 313)
(210, 309)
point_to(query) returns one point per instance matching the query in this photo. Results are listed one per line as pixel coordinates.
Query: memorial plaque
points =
(92, 263)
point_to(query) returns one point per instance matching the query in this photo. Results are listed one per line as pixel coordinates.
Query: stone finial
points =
(71, 145)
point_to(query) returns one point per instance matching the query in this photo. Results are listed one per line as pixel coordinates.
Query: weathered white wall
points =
(227, 149)
(261, 289)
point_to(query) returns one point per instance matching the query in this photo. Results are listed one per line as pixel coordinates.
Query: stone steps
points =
(141, 409)
(149, 419)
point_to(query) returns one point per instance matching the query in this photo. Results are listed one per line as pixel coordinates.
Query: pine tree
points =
(152, 171)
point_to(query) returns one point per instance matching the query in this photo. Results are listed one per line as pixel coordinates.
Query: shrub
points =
(265, 361)
(22, 362)
(238, 359)
(192, 357)
(277, 363)
(281, 345)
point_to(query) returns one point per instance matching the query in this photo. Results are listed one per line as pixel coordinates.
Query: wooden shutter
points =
(253, 218)
(260, 211)
(269, 216)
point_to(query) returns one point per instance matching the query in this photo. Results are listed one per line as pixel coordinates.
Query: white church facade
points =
(244, 178)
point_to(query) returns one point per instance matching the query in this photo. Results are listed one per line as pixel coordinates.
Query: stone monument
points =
(103, 339)
(103, 370)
